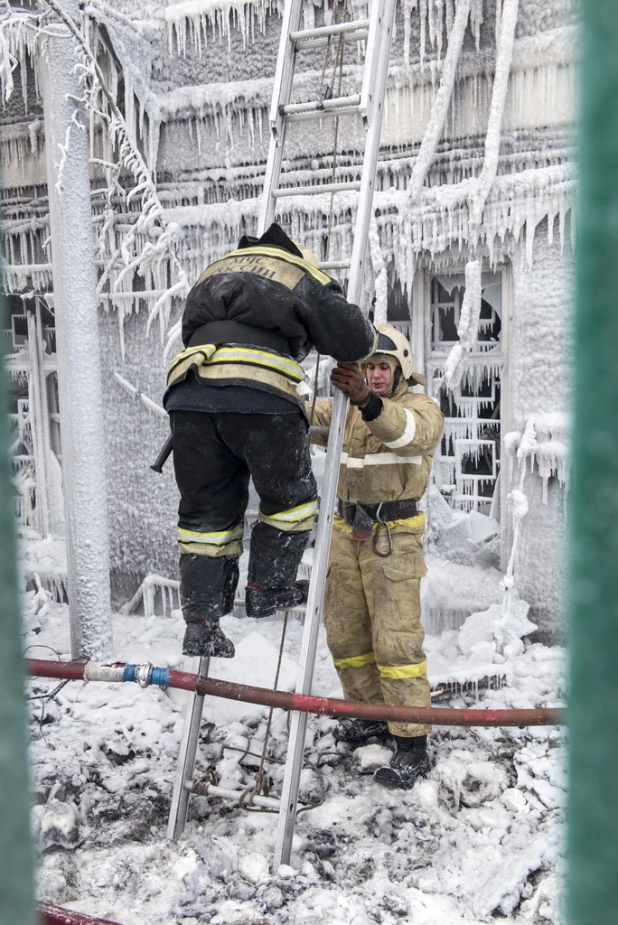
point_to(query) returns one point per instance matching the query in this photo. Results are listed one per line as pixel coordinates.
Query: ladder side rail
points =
(284, 71)
(282, 93)
(271, 180)
(372, 58)
(186, 759)
(298, 726)
(298, 723)
(372, 152)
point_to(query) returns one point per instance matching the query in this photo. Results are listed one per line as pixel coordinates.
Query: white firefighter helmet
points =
(308, 255)
(392, 342)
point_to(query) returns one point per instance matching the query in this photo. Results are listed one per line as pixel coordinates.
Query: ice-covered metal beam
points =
(79, 373)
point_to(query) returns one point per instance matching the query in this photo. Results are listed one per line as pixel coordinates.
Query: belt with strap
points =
(381, 512)
(237, 332)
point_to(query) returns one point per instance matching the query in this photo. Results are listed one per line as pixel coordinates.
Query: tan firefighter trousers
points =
(372, 616)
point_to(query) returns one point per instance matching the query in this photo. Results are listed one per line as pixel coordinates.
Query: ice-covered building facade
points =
(470, 249)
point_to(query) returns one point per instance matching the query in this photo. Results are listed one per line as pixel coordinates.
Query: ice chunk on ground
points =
(253, 867)
(498, 624)
(502, 890)
(59, 825)
(468, 781)
(369, 758)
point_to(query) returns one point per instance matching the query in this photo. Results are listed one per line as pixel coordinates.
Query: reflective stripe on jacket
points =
(389, 458)
(235, 365)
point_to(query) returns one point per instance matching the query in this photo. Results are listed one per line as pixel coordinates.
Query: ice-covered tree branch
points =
(19, 33)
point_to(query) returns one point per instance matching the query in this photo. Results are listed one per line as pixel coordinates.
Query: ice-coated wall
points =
(539, 344)
(540, 364)
(142, 504)
(195, 79)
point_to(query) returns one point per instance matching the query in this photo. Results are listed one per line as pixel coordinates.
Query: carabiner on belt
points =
(376, 535)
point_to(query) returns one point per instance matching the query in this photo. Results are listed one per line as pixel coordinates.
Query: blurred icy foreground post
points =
(16, 874)
(79, 373)
(592, 875)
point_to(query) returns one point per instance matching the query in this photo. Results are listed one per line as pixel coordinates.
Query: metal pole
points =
(79, 371)
(16, 869)
(40, 422)
(592, 850)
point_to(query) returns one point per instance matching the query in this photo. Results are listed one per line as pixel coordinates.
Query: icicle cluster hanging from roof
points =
(212, 20)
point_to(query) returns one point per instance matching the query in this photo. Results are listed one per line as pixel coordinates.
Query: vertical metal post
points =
(77, 336)
(298, 724)
(419, 317)
(37, 400)
(592, 853)
(16, 866)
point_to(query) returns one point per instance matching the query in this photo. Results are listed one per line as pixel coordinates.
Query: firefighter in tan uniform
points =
(372, 611)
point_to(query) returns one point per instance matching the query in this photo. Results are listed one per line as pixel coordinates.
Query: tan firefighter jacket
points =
(389, 458)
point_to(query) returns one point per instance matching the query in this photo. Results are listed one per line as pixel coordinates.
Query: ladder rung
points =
(316, 189)
(314, 44)
(319, 106)
(299, 608)
(339, 28)
(335, 265)
(322, 114)
(226, 794)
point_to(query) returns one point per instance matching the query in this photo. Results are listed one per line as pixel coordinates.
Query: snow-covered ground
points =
(479, 839)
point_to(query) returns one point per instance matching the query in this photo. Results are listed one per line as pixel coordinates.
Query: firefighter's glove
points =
(349, 378)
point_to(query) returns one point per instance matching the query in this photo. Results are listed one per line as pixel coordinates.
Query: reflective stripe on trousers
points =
(293, 520)
(394, 672)
(373, 627)
(213, 543)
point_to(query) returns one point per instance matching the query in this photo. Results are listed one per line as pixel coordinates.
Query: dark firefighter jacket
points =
(255, 314)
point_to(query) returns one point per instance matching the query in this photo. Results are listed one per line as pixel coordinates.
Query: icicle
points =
(468, 326)
(379, 272)
(481, 188)
(153, 406)
(129, 389)
(441, 102)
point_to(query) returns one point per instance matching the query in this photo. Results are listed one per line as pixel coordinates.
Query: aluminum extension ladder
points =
(370, 104)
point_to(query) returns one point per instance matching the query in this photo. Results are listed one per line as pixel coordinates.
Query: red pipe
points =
(303, 703)
(55, 915)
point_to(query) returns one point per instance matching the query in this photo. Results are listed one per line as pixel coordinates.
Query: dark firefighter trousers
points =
(215, 454)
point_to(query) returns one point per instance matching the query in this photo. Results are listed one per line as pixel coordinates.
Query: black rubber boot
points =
(409, 764)
(273, 563)
(359, 730)
(206, 639)
(207, 588)
(264, 602)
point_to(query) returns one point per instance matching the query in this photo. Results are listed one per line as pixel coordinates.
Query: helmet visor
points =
(385, 343)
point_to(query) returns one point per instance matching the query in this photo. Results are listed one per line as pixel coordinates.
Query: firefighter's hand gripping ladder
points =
(377, 31)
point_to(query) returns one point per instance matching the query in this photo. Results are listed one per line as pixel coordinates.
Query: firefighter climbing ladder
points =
(370, 104)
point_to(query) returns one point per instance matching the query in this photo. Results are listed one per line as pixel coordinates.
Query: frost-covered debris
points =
(544, 443)
(479, 838)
